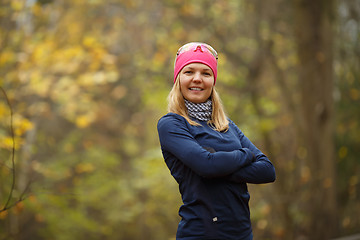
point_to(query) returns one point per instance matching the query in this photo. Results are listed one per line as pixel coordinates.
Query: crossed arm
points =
(247, 164)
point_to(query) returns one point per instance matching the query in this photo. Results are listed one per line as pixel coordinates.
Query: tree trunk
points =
(313, 32)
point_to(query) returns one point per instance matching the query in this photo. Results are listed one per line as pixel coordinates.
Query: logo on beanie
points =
(196, 52)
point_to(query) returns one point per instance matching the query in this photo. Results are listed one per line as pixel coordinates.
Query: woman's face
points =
(196, 82)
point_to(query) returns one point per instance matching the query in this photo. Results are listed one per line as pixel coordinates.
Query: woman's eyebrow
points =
(192, 68)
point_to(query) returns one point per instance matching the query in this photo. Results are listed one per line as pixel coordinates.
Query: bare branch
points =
(7, 206)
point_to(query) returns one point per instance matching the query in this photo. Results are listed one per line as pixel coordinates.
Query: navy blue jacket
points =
(212, 169)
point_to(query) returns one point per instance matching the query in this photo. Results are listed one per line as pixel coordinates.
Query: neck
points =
(199, 111)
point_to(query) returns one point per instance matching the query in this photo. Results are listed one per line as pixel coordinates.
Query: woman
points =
(207, 154)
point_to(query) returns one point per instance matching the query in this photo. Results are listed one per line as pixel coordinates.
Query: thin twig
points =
(6, 206)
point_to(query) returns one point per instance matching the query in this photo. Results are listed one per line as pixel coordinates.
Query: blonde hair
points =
(176, 104)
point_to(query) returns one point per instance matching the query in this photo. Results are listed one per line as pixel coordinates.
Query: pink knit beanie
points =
(196, 53)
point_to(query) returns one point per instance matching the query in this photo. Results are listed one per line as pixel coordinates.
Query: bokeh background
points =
(84, 82)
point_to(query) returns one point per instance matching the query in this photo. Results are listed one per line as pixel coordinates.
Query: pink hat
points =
(196, 52)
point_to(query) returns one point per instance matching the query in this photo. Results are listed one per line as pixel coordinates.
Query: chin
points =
(197, 101)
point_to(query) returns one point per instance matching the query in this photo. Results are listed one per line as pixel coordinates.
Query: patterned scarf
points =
(200, 111)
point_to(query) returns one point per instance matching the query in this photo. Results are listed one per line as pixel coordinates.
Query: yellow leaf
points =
(84, 167)
(6, 142)
(89, 42)
(17, 5)
(19, 207)
(305, 175)
(32, 198)
(68, 148)
(39, 217)
(3, 214)
(37, 9)
(353, 181)
(354, 94)
(23, 126)
(343, 151)
(6, 57)
(4, 111)
(119, 92)
(83, 121)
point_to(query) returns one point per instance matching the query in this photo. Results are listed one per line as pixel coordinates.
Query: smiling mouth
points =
(196, 89)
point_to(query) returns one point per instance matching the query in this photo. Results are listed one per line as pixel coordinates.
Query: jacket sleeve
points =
(176, 139)
(259, 171)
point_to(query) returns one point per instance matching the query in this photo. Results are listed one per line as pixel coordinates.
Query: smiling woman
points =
(207, 154)
(196, 82)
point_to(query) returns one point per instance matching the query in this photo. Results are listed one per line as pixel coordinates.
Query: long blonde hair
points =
(176, 104)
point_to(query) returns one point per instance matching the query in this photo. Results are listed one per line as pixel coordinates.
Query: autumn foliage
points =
(85, 81)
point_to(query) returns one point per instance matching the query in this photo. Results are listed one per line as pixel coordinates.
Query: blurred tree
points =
(314, 23)
(88, 81)
(347, 82)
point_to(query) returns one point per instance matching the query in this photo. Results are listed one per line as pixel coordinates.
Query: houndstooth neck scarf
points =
(200, 111)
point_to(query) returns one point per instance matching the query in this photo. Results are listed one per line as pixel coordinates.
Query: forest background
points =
(84, 82)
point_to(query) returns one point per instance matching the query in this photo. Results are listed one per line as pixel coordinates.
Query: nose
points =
(197, 77)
